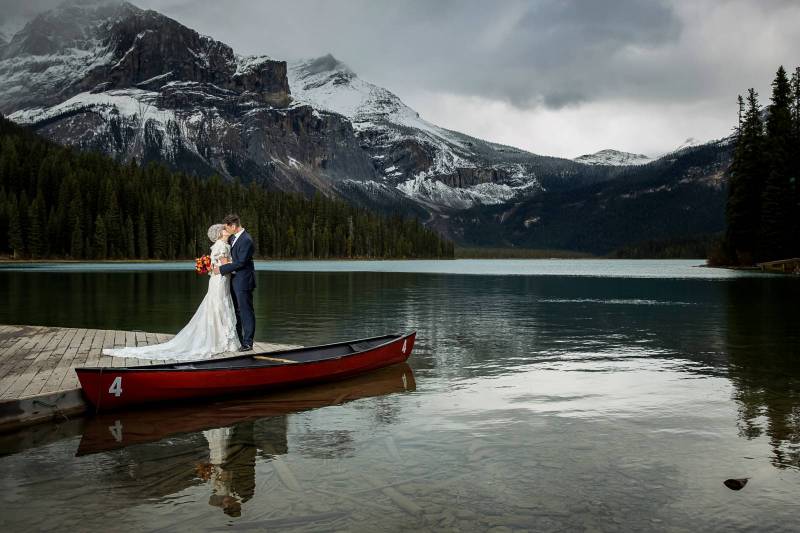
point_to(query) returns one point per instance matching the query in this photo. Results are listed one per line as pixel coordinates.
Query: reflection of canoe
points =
(111, 388)
(117, 430)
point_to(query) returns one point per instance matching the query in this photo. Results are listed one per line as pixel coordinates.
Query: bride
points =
(212, 329)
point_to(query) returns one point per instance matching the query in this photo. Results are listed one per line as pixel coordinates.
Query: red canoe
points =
(110, 388)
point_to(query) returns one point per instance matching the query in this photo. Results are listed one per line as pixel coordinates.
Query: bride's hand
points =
(224, 260)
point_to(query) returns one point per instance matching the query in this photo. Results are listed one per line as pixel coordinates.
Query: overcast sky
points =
(558, 77)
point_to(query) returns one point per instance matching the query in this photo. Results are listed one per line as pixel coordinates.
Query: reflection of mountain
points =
(764, 350)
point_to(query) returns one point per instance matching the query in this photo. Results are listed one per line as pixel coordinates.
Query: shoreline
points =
(329, 260)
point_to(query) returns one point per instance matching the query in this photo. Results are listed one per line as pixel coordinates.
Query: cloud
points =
(529, 53)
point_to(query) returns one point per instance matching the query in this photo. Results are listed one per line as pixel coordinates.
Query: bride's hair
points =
(215, 232)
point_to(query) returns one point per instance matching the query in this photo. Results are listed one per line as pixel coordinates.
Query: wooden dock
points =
(784, 266)
(37, 381)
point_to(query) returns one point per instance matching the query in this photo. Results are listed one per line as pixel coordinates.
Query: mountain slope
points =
(428, 163)
(677, 197)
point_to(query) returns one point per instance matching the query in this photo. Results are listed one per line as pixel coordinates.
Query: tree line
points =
(763, 208)
(56, 202)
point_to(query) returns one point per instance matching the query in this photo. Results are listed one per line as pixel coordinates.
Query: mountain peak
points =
(613, 157)
(74, 24)
(100, 45)
(322, 70)
(326, 63)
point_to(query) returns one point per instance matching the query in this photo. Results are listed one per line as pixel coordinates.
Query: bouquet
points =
(202, 265)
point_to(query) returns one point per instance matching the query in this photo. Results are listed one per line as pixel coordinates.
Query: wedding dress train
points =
(212, 329)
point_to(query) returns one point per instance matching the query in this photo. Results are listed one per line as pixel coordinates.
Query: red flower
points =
(202, 265)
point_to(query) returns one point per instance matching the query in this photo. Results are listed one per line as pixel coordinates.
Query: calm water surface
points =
(541, 395)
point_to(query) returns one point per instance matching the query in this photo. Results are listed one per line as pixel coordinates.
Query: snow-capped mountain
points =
(425, 162)
(132, 83)
(688, 143)
(613, 158)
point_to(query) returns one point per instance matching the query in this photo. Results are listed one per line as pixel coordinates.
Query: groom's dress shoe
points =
(246, 349)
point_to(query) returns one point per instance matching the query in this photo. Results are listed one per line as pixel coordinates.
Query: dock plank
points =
(28, 362)
(34, 377)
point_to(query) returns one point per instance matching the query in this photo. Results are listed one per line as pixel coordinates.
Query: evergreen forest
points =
(60, 203)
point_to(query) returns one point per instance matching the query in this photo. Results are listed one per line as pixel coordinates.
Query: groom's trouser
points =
(245, 315)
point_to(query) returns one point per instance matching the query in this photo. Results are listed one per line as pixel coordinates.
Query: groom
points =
(243, 279)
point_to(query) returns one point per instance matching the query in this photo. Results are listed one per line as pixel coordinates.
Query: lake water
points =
(541, 395)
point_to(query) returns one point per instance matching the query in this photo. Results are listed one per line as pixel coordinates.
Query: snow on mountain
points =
(688, 143)
(9, 26)
(53, 52)
(420, 159)
(613, 158)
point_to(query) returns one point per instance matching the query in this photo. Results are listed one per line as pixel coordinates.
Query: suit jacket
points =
(241, 268)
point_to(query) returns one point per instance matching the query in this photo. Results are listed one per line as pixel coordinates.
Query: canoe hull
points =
(113, 388)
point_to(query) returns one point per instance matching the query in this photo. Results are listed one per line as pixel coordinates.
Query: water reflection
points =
(544, 403)
(231, 467)
(218, 444)
(763, 343)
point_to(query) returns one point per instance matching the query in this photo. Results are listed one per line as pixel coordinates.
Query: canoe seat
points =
(359, 346)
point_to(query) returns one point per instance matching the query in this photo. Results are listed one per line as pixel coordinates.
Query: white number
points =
(116, 431)
(116, 387)
(403, 349)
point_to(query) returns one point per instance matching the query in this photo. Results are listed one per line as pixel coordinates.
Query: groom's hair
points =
(232, 220)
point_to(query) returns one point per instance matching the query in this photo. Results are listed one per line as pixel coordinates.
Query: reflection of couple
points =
(231, 467)
(225, 321)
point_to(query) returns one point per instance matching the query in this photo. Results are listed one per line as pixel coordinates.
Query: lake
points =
(548, 395)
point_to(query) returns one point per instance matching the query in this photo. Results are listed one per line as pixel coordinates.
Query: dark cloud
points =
(24, 9)
(551, 52)
(529, 53)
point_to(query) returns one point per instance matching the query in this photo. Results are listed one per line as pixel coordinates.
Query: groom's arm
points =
(245, 254)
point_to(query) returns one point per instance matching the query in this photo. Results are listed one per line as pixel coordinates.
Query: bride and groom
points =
(225, 321)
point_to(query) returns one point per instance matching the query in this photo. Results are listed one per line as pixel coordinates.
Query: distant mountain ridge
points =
(613, 158)
(132, 83)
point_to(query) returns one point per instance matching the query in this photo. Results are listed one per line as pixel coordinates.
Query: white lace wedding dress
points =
(212, 329)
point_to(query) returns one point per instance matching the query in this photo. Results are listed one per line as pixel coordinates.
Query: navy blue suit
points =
(243, 281)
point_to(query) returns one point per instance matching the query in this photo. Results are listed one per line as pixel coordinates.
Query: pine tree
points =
(76, 243)
(795, 161)
(9, 164)
(4, 208)
(15, 239)
(37, 234)
(100, 238)
(141, 238)
(745, 187)
(76, 225)
(112, 219)
(130, 240)
(158, 238)
(776, 204)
